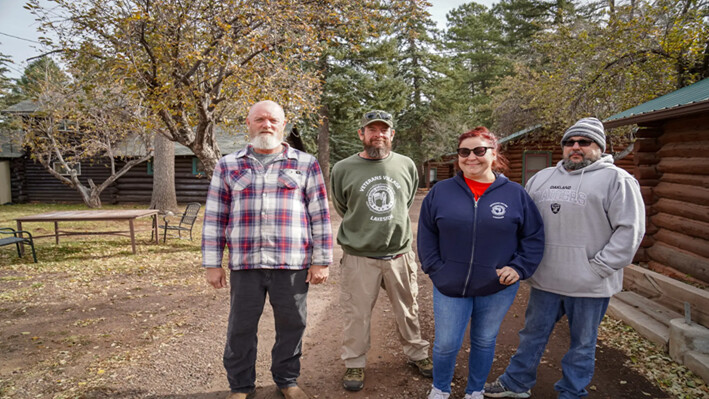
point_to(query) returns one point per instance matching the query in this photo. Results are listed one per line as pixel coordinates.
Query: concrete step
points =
(651, 308)
(698, 363)
(647, 326)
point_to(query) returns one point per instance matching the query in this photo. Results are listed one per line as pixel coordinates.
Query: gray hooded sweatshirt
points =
(594, 220)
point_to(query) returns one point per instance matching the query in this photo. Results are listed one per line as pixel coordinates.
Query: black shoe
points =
(497, 390)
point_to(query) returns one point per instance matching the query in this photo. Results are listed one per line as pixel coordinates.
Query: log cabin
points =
(665, 296)
(672, 166)
(30, 182)
(528, 151)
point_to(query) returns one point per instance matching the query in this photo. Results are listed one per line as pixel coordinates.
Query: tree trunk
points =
(324, 145)
(164, 197)
(295, 140)
(94, 199)
(90, 195)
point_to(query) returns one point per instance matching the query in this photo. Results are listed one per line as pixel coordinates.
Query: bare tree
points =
(79, 122)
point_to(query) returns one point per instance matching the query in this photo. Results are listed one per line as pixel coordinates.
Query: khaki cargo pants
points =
(361, 279)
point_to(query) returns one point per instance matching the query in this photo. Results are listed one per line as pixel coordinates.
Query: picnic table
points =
(94, 215)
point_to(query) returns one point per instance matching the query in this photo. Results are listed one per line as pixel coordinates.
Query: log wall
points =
(514, 152)
(17, 180)
(444, 167)
(672, 165)
(32, 183)
(137, 185)
(40, 186)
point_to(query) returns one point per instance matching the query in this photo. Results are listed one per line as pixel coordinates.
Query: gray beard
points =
(265, 142)
(377, 152)
(571, 165)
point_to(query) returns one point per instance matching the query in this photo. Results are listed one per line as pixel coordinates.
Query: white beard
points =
(265, 142)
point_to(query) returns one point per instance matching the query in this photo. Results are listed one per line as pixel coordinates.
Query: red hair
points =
(500, 164)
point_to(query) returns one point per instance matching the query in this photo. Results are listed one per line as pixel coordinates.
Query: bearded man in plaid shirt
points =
(268, 204)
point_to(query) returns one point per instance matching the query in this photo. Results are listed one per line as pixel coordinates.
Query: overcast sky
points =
(18, 29)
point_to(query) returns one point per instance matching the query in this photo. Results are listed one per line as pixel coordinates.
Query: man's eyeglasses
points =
(582, 143)
(378, 115)
(478, 151)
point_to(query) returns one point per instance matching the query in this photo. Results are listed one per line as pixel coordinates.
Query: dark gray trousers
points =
(287, 292)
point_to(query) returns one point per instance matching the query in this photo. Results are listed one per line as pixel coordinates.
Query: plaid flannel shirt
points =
(270, 218)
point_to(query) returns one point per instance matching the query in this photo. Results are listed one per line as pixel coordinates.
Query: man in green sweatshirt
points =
(373, 191)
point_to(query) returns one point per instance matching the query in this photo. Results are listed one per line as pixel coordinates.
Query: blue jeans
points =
(287, 292)
(543, 311)
(451, 315)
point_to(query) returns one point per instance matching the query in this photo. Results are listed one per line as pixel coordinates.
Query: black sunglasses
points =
(582, 143)
(478, 151)
(378, 115)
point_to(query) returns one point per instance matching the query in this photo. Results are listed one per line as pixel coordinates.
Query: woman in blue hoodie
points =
(478, 235)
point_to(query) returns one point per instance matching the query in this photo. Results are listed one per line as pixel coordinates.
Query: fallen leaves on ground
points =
(652, 361)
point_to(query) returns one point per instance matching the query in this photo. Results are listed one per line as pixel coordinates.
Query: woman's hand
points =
(508, 275)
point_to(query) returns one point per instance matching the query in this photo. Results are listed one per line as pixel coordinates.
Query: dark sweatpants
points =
(287, 292)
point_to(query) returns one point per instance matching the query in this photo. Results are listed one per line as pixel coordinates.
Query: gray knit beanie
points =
(587, 127)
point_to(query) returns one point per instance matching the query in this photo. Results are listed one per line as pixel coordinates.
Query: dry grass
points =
(79, 284)
(90, 256)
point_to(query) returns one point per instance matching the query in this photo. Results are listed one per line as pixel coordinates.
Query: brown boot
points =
(353, 379)
(294, 392)
(425, 367)
(238, 395)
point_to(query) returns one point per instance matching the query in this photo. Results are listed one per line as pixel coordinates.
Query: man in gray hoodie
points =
(594, 220)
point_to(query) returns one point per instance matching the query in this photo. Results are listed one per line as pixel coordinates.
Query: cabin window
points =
(533, 162)
(59, 168)
(433, 175)
(149, 167)
(197, 168)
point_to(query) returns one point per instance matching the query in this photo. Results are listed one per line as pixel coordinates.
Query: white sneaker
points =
(474, 395)
(438, 394)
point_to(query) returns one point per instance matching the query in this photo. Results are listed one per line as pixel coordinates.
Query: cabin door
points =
(533, 162)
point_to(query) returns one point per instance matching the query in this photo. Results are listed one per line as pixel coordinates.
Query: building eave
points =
(669, 113)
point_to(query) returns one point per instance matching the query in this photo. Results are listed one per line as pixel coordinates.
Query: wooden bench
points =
(17, 239)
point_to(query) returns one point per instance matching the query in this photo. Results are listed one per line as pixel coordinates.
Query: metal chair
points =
(17, 239)
(186, 223)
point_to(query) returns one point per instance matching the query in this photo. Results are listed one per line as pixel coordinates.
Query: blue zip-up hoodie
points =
(461, 242)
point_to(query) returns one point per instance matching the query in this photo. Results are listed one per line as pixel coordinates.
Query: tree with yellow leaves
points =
(200, 63)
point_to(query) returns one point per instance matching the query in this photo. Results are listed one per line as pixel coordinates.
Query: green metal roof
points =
(518, 134)
(687, 99)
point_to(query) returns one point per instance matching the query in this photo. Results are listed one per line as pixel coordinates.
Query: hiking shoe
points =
(425, 366)
(293, 392)
(497, 390)
(438, 394)
(353, 379)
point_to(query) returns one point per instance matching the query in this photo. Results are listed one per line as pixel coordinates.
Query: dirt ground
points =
(135, 338)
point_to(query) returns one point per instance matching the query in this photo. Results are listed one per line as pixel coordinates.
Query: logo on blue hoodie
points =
(498, 210)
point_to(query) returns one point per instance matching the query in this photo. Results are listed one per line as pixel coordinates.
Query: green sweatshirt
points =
(373, 197)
